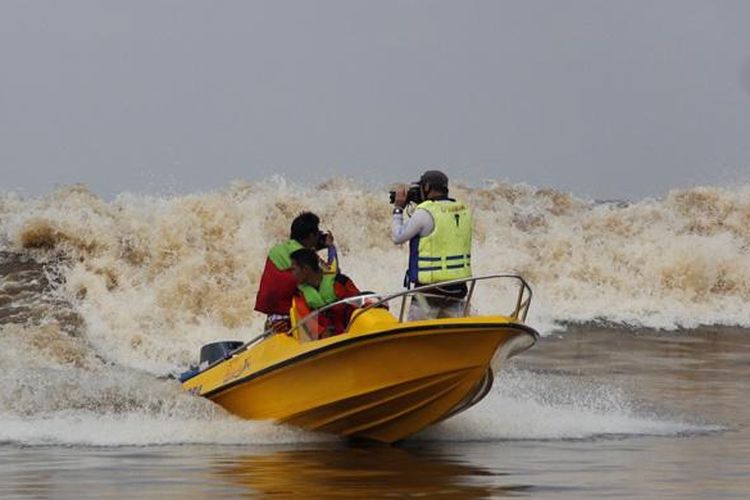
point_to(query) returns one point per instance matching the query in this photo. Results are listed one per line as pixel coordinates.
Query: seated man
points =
(277, 284)
(316, 290)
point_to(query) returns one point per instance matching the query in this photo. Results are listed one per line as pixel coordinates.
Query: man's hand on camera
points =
(400, 199)
(329, 239)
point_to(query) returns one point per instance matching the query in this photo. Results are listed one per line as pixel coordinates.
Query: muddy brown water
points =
(691, 385)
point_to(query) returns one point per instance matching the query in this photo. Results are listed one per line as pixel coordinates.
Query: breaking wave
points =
(102, 300)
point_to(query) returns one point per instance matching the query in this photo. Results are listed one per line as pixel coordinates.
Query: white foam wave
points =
(57, 392)
(532, 406)
(154, 278)
(59, 395)
(141, 430)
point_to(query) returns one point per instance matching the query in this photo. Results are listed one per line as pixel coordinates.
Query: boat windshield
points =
(504, 294)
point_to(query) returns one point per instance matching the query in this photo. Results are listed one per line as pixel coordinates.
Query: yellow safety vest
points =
(445, 254)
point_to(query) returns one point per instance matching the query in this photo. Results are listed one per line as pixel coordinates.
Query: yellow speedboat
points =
(384, 378)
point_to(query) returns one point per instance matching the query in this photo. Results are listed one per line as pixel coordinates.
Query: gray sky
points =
(605, 99)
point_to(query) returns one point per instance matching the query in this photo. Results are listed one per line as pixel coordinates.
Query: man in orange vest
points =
(316, 290)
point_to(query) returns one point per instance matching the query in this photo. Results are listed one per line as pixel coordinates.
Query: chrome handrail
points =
(523, 300)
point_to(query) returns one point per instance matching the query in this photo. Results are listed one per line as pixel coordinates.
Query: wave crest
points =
(156, 277)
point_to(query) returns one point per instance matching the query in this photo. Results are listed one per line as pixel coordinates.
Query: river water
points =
(591, 412)
(103, 302)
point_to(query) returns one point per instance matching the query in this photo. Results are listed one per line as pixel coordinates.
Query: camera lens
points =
(322, 240)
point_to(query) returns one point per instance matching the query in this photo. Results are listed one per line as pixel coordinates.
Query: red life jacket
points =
(277, 285)
(276, 290)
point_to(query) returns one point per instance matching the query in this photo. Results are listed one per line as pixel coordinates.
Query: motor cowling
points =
(216, 351)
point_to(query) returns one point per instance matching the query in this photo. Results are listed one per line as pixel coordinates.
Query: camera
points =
(413, 195)
(322, 240)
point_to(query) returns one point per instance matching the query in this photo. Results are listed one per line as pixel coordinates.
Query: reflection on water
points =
(343, 470)
(362, 471)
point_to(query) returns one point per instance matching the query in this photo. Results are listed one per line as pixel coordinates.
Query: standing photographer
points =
(439, 235)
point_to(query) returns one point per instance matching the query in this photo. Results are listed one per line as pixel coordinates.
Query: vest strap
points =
(449, 257)
(445, 253)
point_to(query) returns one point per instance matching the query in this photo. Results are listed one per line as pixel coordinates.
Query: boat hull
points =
(383, 385)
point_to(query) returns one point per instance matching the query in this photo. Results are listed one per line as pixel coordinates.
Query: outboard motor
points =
(216, 351)
(211, 353)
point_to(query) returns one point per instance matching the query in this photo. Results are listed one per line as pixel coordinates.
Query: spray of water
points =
(124, 293)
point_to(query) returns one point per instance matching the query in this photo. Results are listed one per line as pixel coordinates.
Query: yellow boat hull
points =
(382, 380)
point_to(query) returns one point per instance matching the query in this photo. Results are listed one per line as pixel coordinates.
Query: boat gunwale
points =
(353, 340)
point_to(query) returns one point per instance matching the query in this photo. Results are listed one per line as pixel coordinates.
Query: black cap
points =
(434, 178)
